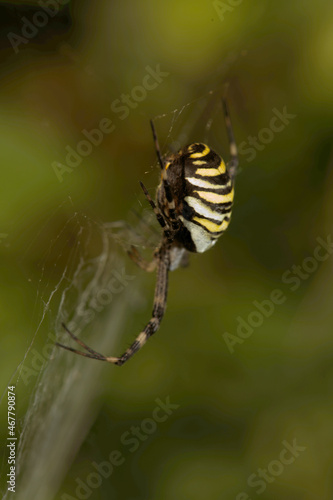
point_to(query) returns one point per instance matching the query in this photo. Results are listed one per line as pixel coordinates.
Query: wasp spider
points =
(193, 206)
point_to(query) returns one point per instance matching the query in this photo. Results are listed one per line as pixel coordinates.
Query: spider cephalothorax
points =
(193, 206)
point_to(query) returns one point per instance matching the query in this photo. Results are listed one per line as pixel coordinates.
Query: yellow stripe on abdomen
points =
(200, 154)
(216, 198)
(199, 162)
(211, 226)
(210, 172)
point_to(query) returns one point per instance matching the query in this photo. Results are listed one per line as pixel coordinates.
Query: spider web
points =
(92, 292)
(90, 289)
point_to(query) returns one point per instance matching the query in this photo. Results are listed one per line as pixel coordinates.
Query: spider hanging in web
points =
(193, 206)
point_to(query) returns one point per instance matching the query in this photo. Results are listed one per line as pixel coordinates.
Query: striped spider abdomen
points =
(202, 193)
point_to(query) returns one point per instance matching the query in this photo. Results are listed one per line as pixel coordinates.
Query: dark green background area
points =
(236, 405)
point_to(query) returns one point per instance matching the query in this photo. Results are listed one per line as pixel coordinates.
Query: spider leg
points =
(159, 216)
(152, 326)
(157, 146)
(159, 307)
(140, 261)
(233, 163)
(92, 354)
(171, 203)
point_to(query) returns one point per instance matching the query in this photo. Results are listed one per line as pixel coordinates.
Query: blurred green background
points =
(236, 405)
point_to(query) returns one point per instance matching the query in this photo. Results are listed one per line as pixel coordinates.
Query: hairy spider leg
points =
(157, 146)
(163, 223)
(168, 193)
(161, 220)
(159, 306)
(133, 252)
(93, 354)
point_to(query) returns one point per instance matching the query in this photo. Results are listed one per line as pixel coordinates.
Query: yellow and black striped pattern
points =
(208, 195)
